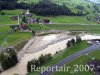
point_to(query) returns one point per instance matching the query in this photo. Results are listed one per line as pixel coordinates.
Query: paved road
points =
(72, 57)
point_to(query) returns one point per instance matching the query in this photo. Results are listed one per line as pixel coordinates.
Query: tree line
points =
(12, 4)
(38, 62)
(46, 7)
(43, 7)
(72, 42)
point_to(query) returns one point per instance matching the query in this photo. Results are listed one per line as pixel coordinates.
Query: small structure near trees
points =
(46, 21)
(15, 27)
(14, 17)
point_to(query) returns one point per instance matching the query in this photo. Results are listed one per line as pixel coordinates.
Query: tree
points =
(80, 7)
(68, 44)
(42, 59)
(8, 4)
(48, 57)
(13, 55)
(2, 56)
(35, 63)
(72, 41)
(37, 20)
(78, 39)
(29, 66)
(2, 13)
(47, 7)
(33, 32)
(24, 19)
(8, 59)
(96, 8)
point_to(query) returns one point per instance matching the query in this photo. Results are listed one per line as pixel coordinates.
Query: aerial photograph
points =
(49, 37)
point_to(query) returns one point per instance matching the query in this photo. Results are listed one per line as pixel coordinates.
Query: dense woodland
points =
(44, 8)
(12, 4)
(8, 58)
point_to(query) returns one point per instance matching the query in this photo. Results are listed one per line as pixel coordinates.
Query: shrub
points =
(78, 39)
(2, 13)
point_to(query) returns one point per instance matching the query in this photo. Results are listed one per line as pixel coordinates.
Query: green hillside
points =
(95, 1)
(72, 4)
(29, 1)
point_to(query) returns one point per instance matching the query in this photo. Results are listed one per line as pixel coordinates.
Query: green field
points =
(4, 29)
(5, 19)
(12, 39)
(80, 61)
(95, 29)
(18, 36)
(89, 28)
(63, 54)
(38, 27)
(69, 19)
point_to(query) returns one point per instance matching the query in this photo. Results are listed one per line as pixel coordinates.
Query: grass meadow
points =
(83, 60)
(63, 54)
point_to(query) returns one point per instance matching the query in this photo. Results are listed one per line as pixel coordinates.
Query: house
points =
(31, 20)
(14, 17)
(46, 21)
(15, 27)
(24, 27)
(28, 14)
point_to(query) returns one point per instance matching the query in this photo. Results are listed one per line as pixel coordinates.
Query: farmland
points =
(7, 40)
(5, 19)
(71, 25)
(89, 28)
(70, 19)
